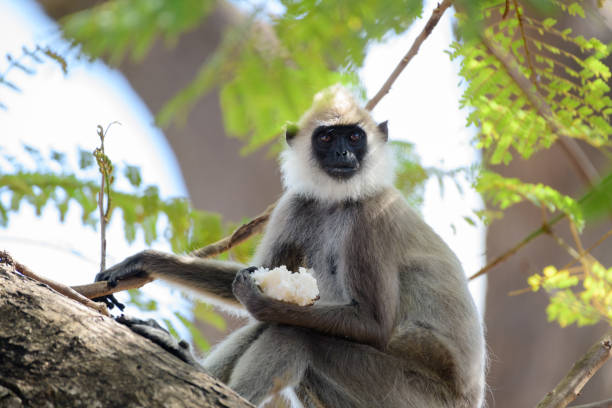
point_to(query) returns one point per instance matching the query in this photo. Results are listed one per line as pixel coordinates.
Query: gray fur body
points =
(395, 325)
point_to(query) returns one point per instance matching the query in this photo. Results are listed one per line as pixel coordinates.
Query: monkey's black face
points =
(339, 149)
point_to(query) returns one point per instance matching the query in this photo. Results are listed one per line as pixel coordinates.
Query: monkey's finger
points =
(110, 301)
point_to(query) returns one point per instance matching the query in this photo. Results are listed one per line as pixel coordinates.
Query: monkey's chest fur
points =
(318, 237)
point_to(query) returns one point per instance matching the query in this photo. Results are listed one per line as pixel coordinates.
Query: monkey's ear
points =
(291, 130)
(384, 129)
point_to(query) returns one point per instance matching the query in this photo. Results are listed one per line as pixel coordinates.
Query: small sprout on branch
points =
(105, 166)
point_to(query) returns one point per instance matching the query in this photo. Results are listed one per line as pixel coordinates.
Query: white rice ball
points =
(281, 284)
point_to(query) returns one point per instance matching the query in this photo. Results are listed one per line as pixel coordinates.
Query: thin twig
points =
(239, 235)
(599, 404)
(506, 10)
(106, 168)
(582, 371)
(561, 242)
(533, 234)
(591, 248)
(519, 17)
(103, 219)
(6, 258)
(414, 49)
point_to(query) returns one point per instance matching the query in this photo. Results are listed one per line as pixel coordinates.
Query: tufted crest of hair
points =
(301, 172)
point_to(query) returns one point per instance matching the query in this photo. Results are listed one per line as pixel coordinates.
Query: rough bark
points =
(56, 352)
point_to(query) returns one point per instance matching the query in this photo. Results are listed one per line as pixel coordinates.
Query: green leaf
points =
(86, 159)
(132, 173)
(206, 314)
(576, 9)
(171, 328)
(197, 337)
(549, 22)
(58, 157)
(599, 200)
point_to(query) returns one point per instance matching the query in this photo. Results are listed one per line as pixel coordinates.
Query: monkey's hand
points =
(247, 292)
(135, 265)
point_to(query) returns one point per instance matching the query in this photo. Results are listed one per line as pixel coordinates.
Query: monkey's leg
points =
(276, 360)
(346, 374)
(222, 358)
(314, 385)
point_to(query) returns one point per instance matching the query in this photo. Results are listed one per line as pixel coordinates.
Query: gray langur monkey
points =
(395, 325)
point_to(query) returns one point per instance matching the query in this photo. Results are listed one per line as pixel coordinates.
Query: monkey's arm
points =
(368, 318)
(210, 277)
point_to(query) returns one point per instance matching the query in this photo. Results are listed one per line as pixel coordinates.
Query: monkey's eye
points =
(325, 137)
(355, 137)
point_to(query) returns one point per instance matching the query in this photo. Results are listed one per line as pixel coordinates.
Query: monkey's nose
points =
(343, 153)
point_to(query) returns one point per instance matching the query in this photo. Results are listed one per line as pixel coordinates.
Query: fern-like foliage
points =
(119, 28)
(530, 82)
(505, 192)
(26, 62)
(269, 72)
(140, 209)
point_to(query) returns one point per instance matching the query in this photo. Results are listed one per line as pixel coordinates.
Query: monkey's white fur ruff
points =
(301, 173)
(281, 284)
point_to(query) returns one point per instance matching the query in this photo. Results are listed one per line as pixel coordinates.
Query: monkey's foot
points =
(160, 336)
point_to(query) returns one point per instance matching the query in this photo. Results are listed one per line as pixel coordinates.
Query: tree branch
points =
(5, 258)
(582, 371)
(57, 353)
(102, 288)
(580, 160)
(431, 23)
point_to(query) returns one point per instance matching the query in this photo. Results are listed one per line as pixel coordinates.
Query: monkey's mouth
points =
(342, 172)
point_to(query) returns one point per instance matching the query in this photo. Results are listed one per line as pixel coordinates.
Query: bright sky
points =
(62, 112)
(423, 108)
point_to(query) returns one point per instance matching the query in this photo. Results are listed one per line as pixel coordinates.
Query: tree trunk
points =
(56, 352)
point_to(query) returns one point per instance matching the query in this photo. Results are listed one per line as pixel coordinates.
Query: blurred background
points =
(201, 90)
